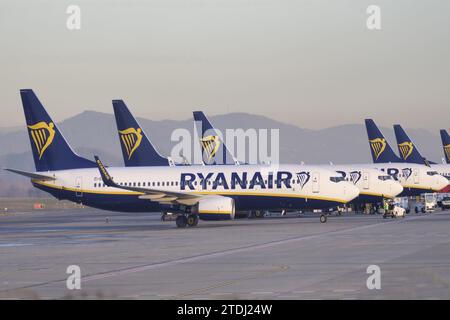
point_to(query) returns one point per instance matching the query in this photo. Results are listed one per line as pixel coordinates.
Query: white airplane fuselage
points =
(374, 185)
(415, 178)
(252, 187)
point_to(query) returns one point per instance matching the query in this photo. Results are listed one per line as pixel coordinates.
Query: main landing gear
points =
(258, 214)
(190, 220)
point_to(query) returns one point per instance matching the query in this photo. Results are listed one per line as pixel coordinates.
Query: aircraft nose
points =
(396, 188)
(441, 183)
(350, 191)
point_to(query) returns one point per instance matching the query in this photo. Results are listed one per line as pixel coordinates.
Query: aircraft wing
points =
(162, 196)
(32, 175)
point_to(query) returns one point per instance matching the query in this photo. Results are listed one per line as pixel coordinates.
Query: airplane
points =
(445, 137)
(137, 149)
(194, 192)
(415, 178)
(411, 154)
(373, 185)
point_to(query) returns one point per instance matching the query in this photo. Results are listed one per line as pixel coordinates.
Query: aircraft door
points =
(416, 176)
(316, 182)
(79, 186)
(366, 180)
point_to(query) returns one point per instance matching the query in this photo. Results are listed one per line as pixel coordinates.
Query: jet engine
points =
(215, 208)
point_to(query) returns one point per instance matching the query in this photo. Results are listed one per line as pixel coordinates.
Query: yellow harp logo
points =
(378, 145)
(447, 151)
(406, 148)
(131, 139)
(42, 134)
(210, 145)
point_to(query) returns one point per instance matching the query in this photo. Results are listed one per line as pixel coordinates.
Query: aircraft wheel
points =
(259, 214)
(181, 221)
(192, 220)
(323, 218)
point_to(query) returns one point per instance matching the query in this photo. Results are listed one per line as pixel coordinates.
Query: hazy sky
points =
(310, 63)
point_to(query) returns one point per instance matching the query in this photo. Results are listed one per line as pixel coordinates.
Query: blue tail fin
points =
(137, 150)
(50, 149)
(406, 148)
(213, 149)
(446, 144)
(379, 147)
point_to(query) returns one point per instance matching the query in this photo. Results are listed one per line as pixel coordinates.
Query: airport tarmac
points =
(136, 256)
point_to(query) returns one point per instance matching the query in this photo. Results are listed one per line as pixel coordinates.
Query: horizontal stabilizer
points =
(32, 175)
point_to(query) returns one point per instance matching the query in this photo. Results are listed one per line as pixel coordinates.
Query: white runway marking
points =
(6, 245)
(344, 290)
(261, 292)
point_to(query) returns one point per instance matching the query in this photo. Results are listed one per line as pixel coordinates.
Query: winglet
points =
(104, 173)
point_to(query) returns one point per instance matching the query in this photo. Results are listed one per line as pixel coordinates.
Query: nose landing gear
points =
(323, 218)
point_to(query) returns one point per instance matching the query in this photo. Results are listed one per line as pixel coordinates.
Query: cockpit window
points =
(384, 178)
(337, 179)
(432, 173)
